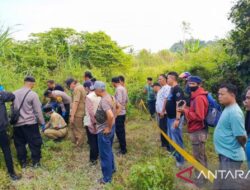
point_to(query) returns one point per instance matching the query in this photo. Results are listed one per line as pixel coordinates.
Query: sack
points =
(214, 111)
(15, 113)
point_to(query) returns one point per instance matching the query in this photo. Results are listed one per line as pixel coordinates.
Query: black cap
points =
(47, 108)
(115, 80)
(29, 79)
(156, 84)
(69, 81)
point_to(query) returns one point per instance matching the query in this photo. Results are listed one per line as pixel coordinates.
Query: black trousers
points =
(151, 107)
(28, 134)
(93, 146)
(120, 132)
(164, 127)
(5, 145)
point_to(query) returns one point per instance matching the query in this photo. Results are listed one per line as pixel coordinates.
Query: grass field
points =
(67, 167)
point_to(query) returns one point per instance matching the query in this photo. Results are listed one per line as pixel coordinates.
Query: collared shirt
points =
(56, 121)
(79, 95)
(92, 103)
(150, 93)
(162, 95)
(31, 111)
(121, 97)
(230, 126)
(62, 99)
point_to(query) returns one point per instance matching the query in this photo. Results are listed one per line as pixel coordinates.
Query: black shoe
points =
(122, 152)
(93, 162)
(23, 164)
(36, 165)
(15, 177)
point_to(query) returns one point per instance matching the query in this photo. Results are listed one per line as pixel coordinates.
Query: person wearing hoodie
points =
(195, 115)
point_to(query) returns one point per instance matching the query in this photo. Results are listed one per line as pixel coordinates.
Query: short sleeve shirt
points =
(230, 125)
(107, 103)
(150, 93)
(121, 97)
(162, 95)
(176, 94)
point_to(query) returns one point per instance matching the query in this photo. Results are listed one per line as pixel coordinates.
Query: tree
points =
(99, 50)
(239, 42)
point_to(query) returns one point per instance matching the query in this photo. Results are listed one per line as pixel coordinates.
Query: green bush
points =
(156, 174)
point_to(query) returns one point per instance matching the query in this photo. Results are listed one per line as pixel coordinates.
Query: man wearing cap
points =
(105, 116)
(4, 139)
(63, 100)
(92, 103)
(77, 111)
(121, 97)
(26, 130)
(195, 115)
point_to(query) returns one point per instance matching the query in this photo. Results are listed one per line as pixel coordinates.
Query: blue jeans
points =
(105, 143)
(176, 135)
(248, 152)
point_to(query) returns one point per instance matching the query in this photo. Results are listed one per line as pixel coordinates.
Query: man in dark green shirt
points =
(148, 89)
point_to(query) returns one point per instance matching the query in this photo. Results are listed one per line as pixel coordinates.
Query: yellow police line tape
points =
(206, 172)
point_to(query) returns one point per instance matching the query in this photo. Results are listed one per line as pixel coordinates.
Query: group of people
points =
(92, 114)
(174, 105)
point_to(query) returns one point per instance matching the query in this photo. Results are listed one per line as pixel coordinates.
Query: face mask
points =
(193, 88)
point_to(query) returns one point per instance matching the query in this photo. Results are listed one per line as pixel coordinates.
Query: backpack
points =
(214, 111)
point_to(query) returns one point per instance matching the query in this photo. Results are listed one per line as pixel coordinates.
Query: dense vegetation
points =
(63, 52)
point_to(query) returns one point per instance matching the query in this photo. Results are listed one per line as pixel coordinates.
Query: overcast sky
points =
(150, 24)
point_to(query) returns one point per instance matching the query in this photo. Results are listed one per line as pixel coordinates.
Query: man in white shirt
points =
(161, 101)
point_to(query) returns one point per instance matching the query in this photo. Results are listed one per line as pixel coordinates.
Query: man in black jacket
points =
(4, 140)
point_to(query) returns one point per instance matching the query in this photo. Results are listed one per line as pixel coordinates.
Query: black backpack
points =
(15, 113)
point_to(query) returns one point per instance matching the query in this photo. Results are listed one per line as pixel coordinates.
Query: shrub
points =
(156, 174)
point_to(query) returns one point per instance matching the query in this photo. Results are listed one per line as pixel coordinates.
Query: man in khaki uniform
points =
(77, 111)
(56, 128)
